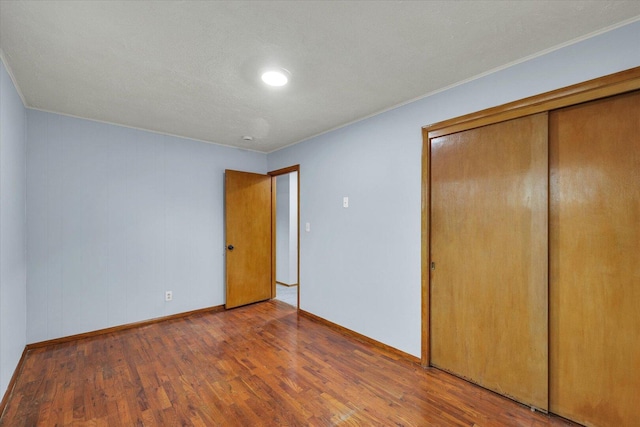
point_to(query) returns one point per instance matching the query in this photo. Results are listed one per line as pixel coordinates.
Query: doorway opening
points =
(286, 234)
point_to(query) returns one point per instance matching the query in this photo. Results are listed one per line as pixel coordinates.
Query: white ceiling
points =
(192, 68)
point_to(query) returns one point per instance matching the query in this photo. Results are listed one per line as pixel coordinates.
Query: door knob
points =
(230, 247)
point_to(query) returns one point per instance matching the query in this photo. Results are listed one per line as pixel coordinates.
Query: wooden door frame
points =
(613, 84)
(275, 174)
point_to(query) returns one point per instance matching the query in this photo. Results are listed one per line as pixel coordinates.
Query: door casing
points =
(614, 84)
(274, 174)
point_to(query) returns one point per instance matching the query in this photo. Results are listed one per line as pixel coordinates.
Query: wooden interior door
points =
(248, 236)
(489, 281)
(595, 261)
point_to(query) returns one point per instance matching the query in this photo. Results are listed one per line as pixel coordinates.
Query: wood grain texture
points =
(595, 261)
(425, 253)
(274, 174)
(489, 244)
(284, 171)
(248, 228)
(76, 337)
(12, 382)
(613, 84)
(274, 232)
(360, 337)
(258, 365)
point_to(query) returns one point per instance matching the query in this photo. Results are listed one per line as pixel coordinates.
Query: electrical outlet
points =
(168, 296)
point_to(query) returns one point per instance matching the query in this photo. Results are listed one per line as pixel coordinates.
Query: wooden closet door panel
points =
(489, 242)
(595, 261)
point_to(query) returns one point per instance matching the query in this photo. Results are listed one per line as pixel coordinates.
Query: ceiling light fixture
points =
(247, 138)
(275, 77)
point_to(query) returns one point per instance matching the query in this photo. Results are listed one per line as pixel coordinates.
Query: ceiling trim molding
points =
(476, 77)
(590, 90)
(12, 77)
(145, 130)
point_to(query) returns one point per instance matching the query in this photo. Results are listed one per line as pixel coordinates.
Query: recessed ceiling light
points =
(275, 77)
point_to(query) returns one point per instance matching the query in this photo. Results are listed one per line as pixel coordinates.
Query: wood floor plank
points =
(260, 365)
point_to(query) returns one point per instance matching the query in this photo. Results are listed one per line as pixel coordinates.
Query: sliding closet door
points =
(595, 261)
(489, 242)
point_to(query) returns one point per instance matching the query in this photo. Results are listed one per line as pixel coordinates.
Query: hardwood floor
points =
(255, 365)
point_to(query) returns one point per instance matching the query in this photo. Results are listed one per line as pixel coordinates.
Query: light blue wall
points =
(286, 228)
(13, 306)
(293, 227)
(360, 267)
(116, 216)
(283, 222)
